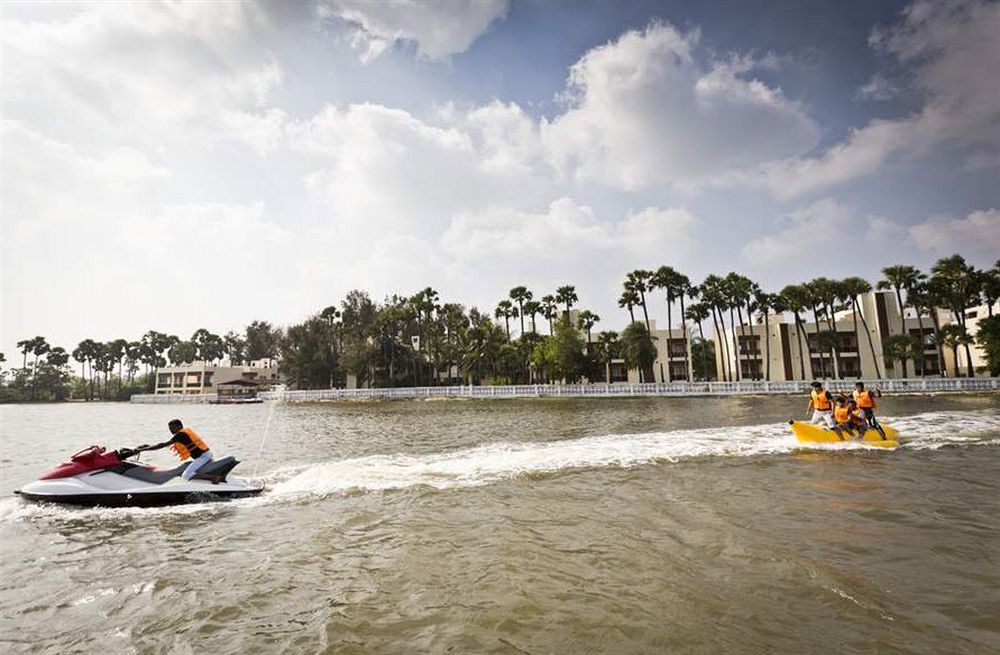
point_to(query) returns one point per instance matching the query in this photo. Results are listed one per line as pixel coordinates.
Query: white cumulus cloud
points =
(645, 110)
(438, 29)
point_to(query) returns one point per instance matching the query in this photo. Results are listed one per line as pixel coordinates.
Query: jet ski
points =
(97, 477)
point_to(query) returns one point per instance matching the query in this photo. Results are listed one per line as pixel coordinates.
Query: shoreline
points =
(649, 390)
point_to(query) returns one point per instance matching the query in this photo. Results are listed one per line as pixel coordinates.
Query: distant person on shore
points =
(866, 404)
(186, 444)
(821, 404)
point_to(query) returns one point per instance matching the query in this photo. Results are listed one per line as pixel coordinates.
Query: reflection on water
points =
(541, 526)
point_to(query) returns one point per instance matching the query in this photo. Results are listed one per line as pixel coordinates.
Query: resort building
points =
(798, 352)
(672, 363)
(202, 377)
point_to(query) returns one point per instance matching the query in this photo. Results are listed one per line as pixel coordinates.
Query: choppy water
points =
(539, 526)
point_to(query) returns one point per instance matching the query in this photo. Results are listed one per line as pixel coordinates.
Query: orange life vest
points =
(189, 441)
(842, 414)
(820, 400)
(864, 399)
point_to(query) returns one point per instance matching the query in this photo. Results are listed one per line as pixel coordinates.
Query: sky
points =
(173, 166)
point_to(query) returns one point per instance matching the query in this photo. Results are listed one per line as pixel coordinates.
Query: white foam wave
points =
(496, 462)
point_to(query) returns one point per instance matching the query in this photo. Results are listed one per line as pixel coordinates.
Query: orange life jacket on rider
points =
(842, 414)
(864, 399)
(820, 400)
(188, 444)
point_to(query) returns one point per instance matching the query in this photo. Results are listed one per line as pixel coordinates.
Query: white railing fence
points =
(915, 385)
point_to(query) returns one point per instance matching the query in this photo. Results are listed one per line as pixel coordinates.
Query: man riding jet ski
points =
(96, 477)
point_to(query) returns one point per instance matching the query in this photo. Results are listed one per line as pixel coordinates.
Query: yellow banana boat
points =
(808, 433)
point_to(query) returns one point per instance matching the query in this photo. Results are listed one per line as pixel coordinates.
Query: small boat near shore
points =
(810, 433)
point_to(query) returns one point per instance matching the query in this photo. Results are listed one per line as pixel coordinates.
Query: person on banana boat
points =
(865, 400)
(821, 404)
(847, 418)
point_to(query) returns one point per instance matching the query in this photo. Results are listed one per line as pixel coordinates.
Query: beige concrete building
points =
(796, 352)
(202, 377)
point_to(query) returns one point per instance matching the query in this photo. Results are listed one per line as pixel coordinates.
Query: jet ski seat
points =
(216, 470)
(155, 477)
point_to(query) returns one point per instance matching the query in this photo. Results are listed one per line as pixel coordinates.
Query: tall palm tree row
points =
(420, 340)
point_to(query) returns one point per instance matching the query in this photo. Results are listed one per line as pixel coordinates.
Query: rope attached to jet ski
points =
(263, 438)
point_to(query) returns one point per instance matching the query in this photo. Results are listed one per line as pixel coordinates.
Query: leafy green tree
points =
(606, 350)
(990, 284)
(263, 341)
(182, 352)
(308, 358)
(702, 353)
(638, 351)
(234, 346)
(697, 313)
(988, 337)
(903, 348)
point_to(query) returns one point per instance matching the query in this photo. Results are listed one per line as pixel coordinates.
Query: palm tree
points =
(549, 309)
(638, 281)
(919, 297)
(586, 321)
(698, 312)
(116, 351)
(765, 303)
(567, 295)
(958, 283)
(39, 346)
(713, 293)
(831, 293)
(897, 278)
(683, 287)
(520, 295)
(813, 302)
(57, 357)
(854, 287)
(607, 346)
(531, 308)
(25, 347)
(80, 355)
(952, 337)
(795, 297)
(741, 290)
(673, 285)
(629, 299)
(902, 347)
(505, 310)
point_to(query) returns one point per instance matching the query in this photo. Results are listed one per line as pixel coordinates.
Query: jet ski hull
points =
(75, 492)
(139, 499)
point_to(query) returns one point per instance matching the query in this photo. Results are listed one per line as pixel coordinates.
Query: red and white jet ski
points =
(96, 477)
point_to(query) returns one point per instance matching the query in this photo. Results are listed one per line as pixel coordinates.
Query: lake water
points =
(518, 526)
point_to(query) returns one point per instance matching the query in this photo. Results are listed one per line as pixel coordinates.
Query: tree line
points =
(419, 340)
